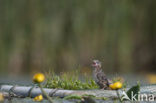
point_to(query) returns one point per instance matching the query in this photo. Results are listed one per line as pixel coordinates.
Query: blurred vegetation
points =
(67, 34)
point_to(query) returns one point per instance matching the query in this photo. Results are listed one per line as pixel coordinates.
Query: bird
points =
(99, 76)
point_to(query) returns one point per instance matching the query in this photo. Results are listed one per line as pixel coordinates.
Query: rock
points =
(23, 91)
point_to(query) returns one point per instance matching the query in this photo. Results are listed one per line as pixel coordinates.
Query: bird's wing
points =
(101, 76)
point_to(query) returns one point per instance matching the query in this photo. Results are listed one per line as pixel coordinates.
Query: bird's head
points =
(96, 64)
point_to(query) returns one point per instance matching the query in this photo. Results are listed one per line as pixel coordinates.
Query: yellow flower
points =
(38, 78)
(116, 85)
(1, 97)
(38, 98)
(151, 78)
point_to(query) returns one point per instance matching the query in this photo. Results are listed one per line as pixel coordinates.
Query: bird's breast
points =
(95, 76)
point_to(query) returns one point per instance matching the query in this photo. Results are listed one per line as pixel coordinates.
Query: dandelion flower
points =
(38, 98)
(38, 78)
(1, 97)
(116, 85)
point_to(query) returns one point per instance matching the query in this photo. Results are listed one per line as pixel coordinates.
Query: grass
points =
(69, 81)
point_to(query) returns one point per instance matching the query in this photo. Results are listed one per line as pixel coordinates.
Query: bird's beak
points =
(93, 64)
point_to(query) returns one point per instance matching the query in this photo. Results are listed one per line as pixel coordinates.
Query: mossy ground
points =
(69, 81)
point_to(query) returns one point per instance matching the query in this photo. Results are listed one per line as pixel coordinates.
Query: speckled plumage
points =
(99, 76)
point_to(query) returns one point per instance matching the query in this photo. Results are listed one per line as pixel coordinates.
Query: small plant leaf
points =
(135, 90)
